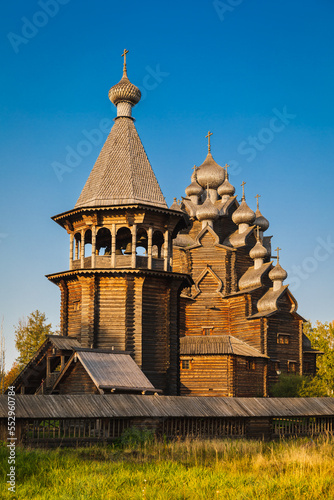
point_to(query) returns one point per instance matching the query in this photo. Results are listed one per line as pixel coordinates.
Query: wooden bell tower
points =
(120, 291)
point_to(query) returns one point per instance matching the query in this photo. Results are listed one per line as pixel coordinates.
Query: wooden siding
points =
(77, 381)
(207, 376)
(249, 378)
(73, 308)
(283, 353)
(111, 307)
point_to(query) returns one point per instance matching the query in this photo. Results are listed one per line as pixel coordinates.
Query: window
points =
(207, 330)
(250, 363)
(292, 366)
(76, 305)
(283, 338)
(185, 364)
(276, 366)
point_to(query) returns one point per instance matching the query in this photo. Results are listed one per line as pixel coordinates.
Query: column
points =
(71, 250)
(113, 246)
(93, 259)
(133, 245)
(166, 250)
(149, 247)
(82, 249)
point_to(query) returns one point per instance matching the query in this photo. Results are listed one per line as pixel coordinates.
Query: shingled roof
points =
(217, 344)
(122, 174)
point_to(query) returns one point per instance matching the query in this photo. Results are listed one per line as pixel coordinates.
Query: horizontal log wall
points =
(207, 376)
(249, 377)
(111, 306)
(77, 381)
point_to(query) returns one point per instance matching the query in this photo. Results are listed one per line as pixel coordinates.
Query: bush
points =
(288, 386)
(298, 386)
(135, 437)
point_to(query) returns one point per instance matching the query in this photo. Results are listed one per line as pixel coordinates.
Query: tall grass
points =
(192, 469)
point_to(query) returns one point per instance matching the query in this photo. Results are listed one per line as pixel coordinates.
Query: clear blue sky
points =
(258, 74)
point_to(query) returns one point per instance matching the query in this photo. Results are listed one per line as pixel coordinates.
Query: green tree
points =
(30, 333)
(322, 338)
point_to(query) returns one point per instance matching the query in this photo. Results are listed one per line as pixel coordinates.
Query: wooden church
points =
(183, 300)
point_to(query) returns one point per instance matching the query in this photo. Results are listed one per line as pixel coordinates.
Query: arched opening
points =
(123, 241)
(142, 242)
(103, 242)
(88, 243)
(157, 244)
(77, 246)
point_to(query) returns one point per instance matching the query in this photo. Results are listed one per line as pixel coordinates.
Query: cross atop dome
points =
(277, 250)
(124, 55)
(208, 136)
(243, 190)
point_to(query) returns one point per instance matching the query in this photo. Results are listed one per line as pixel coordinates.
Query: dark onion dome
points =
(226, 188)
(210, 174)
(207, 211)
(278, 273)
(261, 221)
(194, 188)
(243, 214)
(258, 251)
(124, 91)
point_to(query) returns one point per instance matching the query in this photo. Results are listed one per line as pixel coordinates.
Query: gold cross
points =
(226, 167)
(257, 199)
(243, 190)
(194, 168)
(258, 233)
(277, 250)
(124, 55)
(208, 136)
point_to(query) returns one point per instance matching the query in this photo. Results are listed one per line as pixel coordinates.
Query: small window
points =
(291, 367)
(76, 305)
(283, 339)
(207, 330)
(185, 364)
(277, 366)
(250, 364)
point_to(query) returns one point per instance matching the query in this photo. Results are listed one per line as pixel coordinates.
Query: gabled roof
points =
(122, 173)
(37, 361)
(109, 371)
(217, 344)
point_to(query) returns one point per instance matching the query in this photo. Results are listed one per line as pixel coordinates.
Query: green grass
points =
(218, 469)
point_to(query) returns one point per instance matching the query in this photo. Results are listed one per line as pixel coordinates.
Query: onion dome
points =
(210, 175)
(226, 188)
(243, 214)
(194, 188)
(258, 251)
(207, 211)
(278, 273)
(124, 90)
(260, 221)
